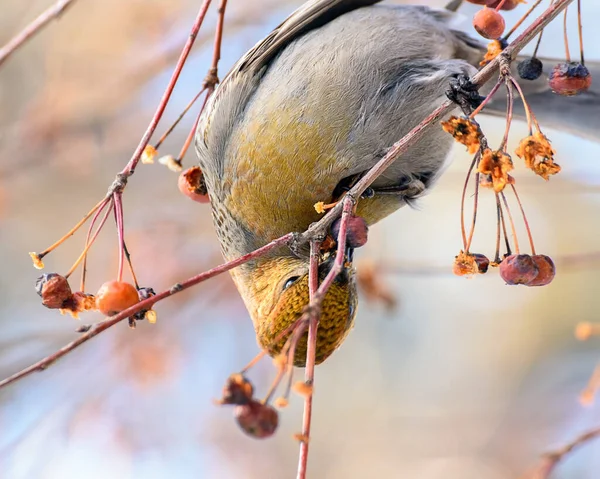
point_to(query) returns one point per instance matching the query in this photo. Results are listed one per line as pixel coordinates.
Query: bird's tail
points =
(579, 115)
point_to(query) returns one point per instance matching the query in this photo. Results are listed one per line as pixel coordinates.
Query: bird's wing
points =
(309, 16)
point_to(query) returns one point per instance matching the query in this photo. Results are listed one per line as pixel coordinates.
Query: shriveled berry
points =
(256, 419)
(143, 293)
(482, 261)
(518, 269)
(489, 23)
(238, 390)
(191, 184)
(357, 231)
(546, 272)
(570, 79)
(530, 68)
(508, 4)
(115, 296)
(54, 290)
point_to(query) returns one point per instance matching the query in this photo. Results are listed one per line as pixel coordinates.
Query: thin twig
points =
(34, 27)
(144, 305)
(550, 460)
(131, 165)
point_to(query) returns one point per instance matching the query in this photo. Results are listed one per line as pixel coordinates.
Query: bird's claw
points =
(464, 93)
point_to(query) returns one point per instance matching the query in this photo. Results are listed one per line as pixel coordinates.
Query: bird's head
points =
(275, 290)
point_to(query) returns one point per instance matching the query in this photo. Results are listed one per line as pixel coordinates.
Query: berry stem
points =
(486, 100)
(192, 133)
(87, 241)
(522, 19)
(463, 229)
(74, 229)
(524, 219)
(580, 28)
(567, 52)
(497, 258)
(91, 242)
(512, 223)
(120, 233)
(475, 202)
(500, 5)
(531, 120)
(503, 222)
(179, 118)
(537, 44)
(510, 101)
(591, 389)
(128, 258)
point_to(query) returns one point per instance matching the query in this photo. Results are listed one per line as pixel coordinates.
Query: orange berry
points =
(570, 79)
(546, 271)
(489, 23)
(115, 296)
(191, 184)
(257, 419)
(54, 290)
(518, 269)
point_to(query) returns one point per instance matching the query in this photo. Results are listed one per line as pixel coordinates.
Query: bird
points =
(298, 119)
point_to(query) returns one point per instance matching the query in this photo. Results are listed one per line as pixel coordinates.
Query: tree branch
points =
(34, 27)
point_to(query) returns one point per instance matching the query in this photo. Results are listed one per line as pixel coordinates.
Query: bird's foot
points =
(464, 93)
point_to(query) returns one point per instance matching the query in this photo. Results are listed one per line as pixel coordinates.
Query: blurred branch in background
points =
(550, 460)
(33, 28)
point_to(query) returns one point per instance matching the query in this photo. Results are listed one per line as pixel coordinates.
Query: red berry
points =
(518, 269)
(546, 272)
(357, 231)
(54, 290)
(508, 5)
(191, 184)
(570, 79)
(257, 419)
(489, 23)
(477, 2)
(115, 296)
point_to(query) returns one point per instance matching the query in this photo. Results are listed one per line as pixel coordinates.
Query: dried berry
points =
(496, 164)
(256, 419)
(494, 48)
(518, 269)
(191, 184)
(148, 155)
(483, 263)
(171, 162)
(489, 23)
(115, 296)
(144, 293)
(465, 131)
(538, 155)
(468, 264)
(357, 231)
(570, 79)
(546, 272)
(238, 390)
(530, 68)
(37, 261)
(54, 290)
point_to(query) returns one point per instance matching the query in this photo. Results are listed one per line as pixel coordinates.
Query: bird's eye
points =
(290, 281)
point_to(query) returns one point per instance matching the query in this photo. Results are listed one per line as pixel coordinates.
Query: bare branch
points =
(550, 460)
(34, 27)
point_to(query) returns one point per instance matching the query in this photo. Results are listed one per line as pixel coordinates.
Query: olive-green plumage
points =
(318, 101)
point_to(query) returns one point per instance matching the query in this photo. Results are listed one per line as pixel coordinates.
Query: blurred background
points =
(465, 379)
